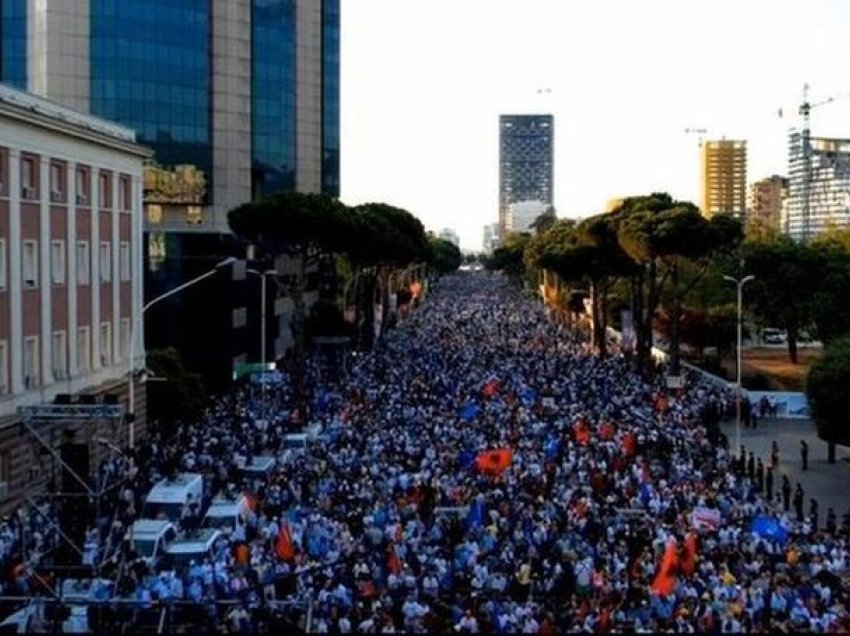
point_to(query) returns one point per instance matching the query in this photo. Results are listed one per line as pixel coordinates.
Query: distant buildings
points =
(448, 234)
(526, 158)
(829, 186)
(723, 170)
(490, 238)
(522, 214)
(765, 199)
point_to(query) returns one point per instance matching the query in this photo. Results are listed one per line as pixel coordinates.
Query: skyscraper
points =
(245, 91)
(828, 187)
(526, 158)
(764, 204)
(724, 177)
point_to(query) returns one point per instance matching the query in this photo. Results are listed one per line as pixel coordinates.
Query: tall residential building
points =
(828, 188)
(764, 204)
(723, 169)
(244, 93)
(526, 161)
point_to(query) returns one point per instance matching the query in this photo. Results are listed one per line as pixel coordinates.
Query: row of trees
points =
(665, 262)
(373, 243)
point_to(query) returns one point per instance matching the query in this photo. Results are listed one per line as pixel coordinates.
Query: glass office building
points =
(526, 161)
(247, 91)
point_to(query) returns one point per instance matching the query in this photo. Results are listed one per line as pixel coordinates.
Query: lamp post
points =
(262, 275)
(739, 282)
(135, 324)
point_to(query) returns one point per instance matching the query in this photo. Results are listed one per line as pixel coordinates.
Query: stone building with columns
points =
(70, 275)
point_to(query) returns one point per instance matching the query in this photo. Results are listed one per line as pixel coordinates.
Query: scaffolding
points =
(69, 413)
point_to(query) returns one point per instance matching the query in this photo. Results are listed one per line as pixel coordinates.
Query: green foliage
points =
(831, 299)
(292, 223)
(326, 319)
(385, 235)
(444, 256)
(510, 256)
(178, 394)
(787, 275)
(826, 389)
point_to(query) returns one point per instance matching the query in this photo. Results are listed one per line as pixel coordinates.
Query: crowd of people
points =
(482, 469)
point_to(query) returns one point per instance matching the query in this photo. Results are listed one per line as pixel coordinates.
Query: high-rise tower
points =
(526, 159)
(724, 177)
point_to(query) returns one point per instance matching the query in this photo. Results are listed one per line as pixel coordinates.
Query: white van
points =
(166, 499)
(151, 538)
(261, 466)
(194, 547)
(224, 511)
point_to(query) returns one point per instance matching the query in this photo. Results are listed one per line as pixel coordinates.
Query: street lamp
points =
(131, 414)
(739, 282)
(262, 275)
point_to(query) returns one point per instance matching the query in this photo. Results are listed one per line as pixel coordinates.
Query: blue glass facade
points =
(272, 96)
(13, 42)
(151, 70)
(330, 97)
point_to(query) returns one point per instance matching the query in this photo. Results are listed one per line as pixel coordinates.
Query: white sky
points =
(424, 81)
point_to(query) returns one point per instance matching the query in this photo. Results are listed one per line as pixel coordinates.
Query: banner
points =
(705, 518)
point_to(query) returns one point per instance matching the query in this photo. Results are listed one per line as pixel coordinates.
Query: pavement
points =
(828, 483)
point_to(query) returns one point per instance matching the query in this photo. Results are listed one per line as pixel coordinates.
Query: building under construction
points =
(828, 188)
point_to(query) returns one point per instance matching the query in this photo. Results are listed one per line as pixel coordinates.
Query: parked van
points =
(771, 335)
(151, 538)
(224, 511)
(196, 547)
(166, 499)
(261, 466)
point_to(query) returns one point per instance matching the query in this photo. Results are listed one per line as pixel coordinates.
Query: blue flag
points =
(466, 458)
(469, 411)
(475, 518)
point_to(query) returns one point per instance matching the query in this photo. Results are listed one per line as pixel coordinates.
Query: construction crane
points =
(806, 145)
(697, 131)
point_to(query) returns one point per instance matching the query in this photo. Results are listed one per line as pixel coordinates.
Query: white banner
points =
(706, 518)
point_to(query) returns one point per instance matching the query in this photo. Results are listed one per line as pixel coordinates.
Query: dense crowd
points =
(484, 470)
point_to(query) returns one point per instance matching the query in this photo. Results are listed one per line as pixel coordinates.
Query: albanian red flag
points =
(582, 433)
(665, 579)
(689, 555)
(283, 546)
(494, 462)
(491, 388)
(630, 443)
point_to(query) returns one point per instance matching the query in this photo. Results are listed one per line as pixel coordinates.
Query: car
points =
(773, 336)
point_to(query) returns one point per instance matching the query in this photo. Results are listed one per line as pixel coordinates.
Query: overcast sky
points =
(424, 82)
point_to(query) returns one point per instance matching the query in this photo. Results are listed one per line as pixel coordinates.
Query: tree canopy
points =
(826, 389)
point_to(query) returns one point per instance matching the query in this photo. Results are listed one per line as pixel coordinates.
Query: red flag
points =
(607, 431)
(393, 562)
(689, 555)
(283, 546)
(491, 388)
(494, 461)
(665, 579)
(630, 443)
(582, 433)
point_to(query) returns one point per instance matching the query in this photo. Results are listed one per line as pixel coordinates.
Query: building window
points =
(57, 183)
(4, 367)
(30, 256)
(124, 194)
(28, 168)
(105, 262)
(31, 361)
(105, 194)
(124, 339)
(57, 262)
(83, 186)
(60, 357)
(83, 262)
(3, 279)
(125, 261)
(83, 349)
(3, 163)
(105, 344)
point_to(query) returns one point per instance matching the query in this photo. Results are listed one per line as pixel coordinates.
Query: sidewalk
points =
(828, 483)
